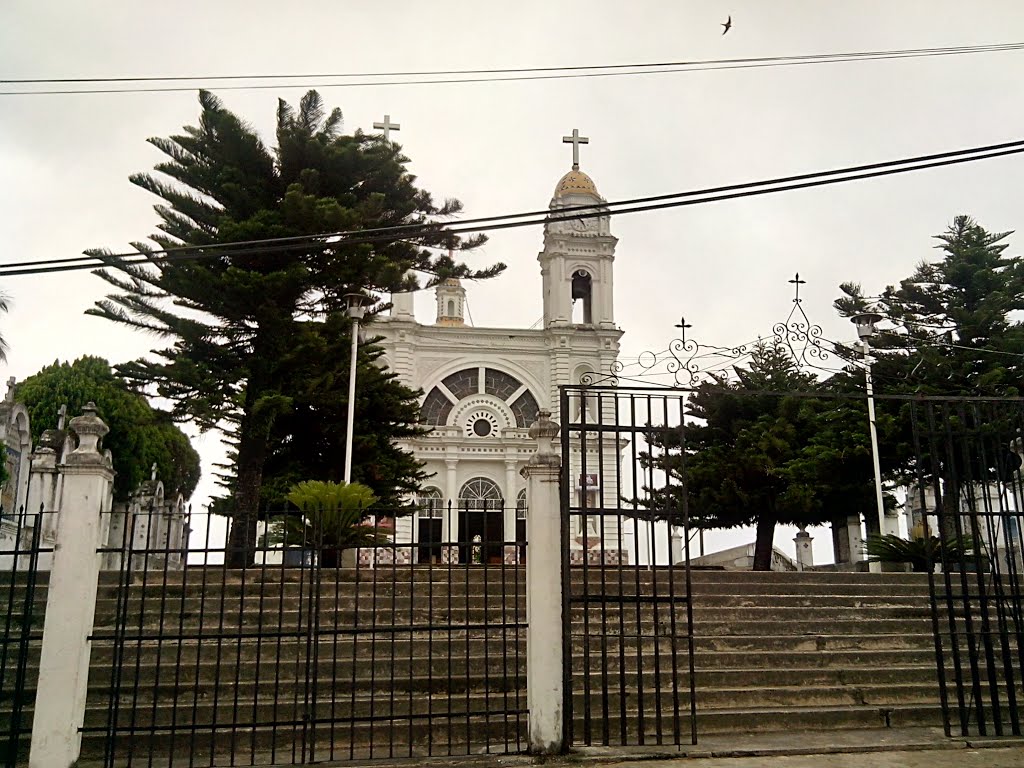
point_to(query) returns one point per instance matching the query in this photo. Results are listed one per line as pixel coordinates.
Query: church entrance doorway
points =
(481, 522)
(482, 535)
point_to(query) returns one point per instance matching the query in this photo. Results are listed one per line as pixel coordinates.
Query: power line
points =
(517, 70)
(327, 241)
(561, 213)
(440, 77)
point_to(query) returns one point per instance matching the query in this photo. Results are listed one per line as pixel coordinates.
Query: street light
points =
(355, 309)
(865, 322)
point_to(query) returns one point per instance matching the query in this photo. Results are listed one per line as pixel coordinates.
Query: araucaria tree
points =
(952, 328)
(229, 305)
(755, 451)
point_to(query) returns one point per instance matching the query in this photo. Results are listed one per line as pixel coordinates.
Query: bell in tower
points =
(579, 250)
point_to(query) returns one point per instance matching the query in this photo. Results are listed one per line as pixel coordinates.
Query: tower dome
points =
(576, 182)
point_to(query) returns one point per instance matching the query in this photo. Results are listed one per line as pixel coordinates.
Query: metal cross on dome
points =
(387, 126)
(575, 140)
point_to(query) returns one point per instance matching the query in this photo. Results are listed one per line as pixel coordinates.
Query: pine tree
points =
(758, 453)
(229, 317)
(948, 329)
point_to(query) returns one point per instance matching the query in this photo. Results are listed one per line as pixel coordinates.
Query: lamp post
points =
(355, 309)
(865, 323)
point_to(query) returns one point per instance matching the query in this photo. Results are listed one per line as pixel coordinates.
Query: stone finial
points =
(9, 398)
(544, 431)
(90, 430)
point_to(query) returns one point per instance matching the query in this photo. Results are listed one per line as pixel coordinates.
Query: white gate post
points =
(544, 663)
(71, 598)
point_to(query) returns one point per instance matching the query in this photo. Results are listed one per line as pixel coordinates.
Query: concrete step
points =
(645, 730)
(302, 742)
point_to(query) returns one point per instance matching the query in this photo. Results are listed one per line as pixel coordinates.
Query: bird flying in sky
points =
(727, 25)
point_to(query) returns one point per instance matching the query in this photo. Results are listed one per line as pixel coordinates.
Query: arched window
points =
(431, 503)
(521, 504)
(480, 493)
(451, 308)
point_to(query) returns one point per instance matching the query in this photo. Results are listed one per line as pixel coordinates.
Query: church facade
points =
(483, 388)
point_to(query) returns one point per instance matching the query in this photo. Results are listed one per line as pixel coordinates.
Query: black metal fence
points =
(970, 499)
(628, 626)
(24, 547)
(409, 645)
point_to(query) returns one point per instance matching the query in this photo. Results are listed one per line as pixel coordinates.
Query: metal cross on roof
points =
(575, 140)
(387, 126)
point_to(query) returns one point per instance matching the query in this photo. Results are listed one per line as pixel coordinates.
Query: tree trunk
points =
(252, 453)
(764, 542)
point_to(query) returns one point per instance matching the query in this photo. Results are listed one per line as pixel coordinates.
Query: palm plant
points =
(921, 553)
(330, 519)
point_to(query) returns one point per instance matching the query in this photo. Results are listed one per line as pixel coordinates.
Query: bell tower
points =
(579, 250)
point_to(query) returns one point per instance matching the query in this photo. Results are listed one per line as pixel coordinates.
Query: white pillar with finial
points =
(87, 476)
(544, 686)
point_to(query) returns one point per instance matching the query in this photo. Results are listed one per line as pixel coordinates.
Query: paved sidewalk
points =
(881, 748)
(992, 757)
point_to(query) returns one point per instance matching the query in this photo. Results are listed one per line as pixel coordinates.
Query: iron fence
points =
(970, 504)
(628, 624)
(411, 644)
(25, 546)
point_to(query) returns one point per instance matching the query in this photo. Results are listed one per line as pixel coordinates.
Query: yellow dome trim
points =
(576, 182)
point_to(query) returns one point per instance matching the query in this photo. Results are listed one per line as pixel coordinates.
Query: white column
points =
(450, 519)
(544, 690)
(855, 538)
(804, 552)
(44, 487)
(509, 521)
(451, 507)
(71, 599)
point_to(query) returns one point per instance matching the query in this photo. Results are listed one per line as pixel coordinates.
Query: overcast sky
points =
(65, 160)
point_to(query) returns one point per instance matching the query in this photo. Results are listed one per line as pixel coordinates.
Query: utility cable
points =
(320, 239)
(513, 70)
(441, 77)
(459, 227)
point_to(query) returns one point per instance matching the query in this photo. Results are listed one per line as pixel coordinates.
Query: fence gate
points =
(968, 502)
(628, 625)
(24, 544)
(302, 657)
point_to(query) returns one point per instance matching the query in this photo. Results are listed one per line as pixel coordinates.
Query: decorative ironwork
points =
(798, 334)
(690, 362)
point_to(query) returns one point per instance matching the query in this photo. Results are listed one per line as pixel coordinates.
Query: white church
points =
(484, 387)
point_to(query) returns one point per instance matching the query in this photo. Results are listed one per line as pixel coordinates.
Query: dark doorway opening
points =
(521, 539)
(489, 525)
(429, 540)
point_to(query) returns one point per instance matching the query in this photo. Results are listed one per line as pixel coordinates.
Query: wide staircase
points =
(419, 661)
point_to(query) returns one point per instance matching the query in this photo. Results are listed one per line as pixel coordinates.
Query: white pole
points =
(874, 442)
(349, 429)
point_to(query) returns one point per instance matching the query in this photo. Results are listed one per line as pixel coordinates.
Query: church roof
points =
(576, 182)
